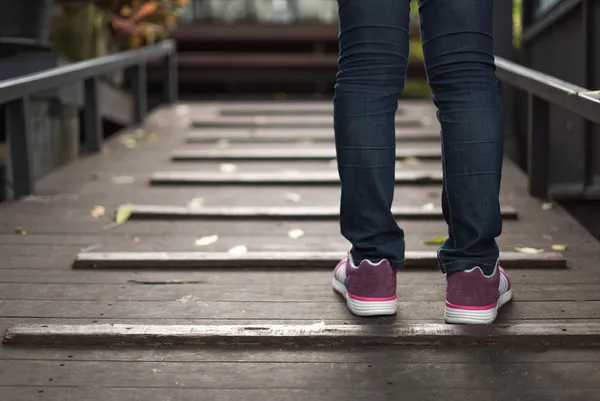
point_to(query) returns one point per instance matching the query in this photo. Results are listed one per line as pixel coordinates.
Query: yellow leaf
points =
(20, 230)
(413, 161)
(98, 211)
(123, 213)
(139, 133)
(196, 203)
(238, 250)
(434, 241)
(223, 143)
(126, 11)
(547, 206)
(296, 233)
(227, 168)
(559, 247)
(428, 206)
(528, 250)
(291, 196)
(204, 241)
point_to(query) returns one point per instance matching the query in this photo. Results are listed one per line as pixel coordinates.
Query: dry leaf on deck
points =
(559, 247)
(547, 206)
(296, 233)
(434, 241)
(123, 213)
(122, 179)
(413, 161)
(128, 141)
(238, 250)
(292, 196)
(204, 241)
(428, 206)
(528, 250)
(196, 203)
(223, 143)
(98, 211)
(228, 168)
(139, 133)
(20, 230)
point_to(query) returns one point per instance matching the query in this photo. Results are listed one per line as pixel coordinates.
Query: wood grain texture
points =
(289, 153)
(279, 260)
(315, 335)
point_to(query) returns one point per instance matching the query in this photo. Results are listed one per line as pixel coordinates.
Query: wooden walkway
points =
(207, 293)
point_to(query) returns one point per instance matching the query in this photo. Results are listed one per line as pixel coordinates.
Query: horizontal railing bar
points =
(549, 88)
(16, 88)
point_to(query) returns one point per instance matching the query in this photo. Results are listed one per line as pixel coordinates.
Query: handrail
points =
(14, 94)
(542, 91)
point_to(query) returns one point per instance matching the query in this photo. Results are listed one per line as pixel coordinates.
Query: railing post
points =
(170, 79)
(18, 145)
(91, 116)
(139, 93)
(538, 146)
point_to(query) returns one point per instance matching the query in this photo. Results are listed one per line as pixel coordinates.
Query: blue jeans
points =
(458, 50)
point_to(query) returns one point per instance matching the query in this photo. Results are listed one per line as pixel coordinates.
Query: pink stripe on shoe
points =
(358, 298)
(464, 307)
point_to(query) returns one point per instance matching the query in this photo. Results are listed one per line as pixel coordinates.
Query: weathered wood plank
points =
(284, 154)
(280, 178)
(258, 212)
(279, 260)
(292, 135)
(284, 122)
(525, 334)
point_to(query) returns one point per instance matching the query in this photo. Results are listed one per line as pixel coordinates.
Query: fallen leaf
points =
(547, 206)
(559, 247)
(139, 133)
(223, 143)
(204, 241)
(122, 179)
(434, 241)
(291, 196)
(153, 137)
(528, 250)
(228, 168)
(296, 233)
(196, 203)
(123, 213)
(98, 211)
(20, 230)
(128, 141)
(238, 250)
(428, 206)
(413, 161)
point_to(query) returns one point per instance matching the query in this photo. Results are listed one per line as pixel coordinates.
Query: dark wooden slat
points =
(279, 260)
(288, 154)
(279, 178)
(268, 134)
(240, 212)
(424, 334)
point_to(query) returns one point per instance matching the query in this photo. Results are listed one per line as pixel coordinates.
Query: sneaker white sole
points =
(365, 308)
(465, 316)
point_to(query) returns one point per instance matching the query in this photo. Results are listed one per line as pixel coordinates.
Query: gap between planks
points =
(280, 260)
(280, 178)
(318, 335)
(257, 212)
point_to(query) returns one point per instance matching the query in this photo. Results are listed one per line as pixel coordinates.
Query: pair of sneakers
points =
(471, 296)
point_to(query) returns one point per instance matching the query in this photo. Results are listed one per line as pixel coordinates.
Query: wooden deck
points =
(218, 286)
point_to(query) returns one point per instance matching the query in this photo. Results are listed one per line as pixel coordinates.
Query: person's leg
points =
(373, 43)
(458, 47)
(373, 57)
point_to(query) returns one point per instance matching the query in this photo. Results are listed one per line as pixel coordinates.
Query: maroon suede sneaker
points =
(474, 298)
(369, 289)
